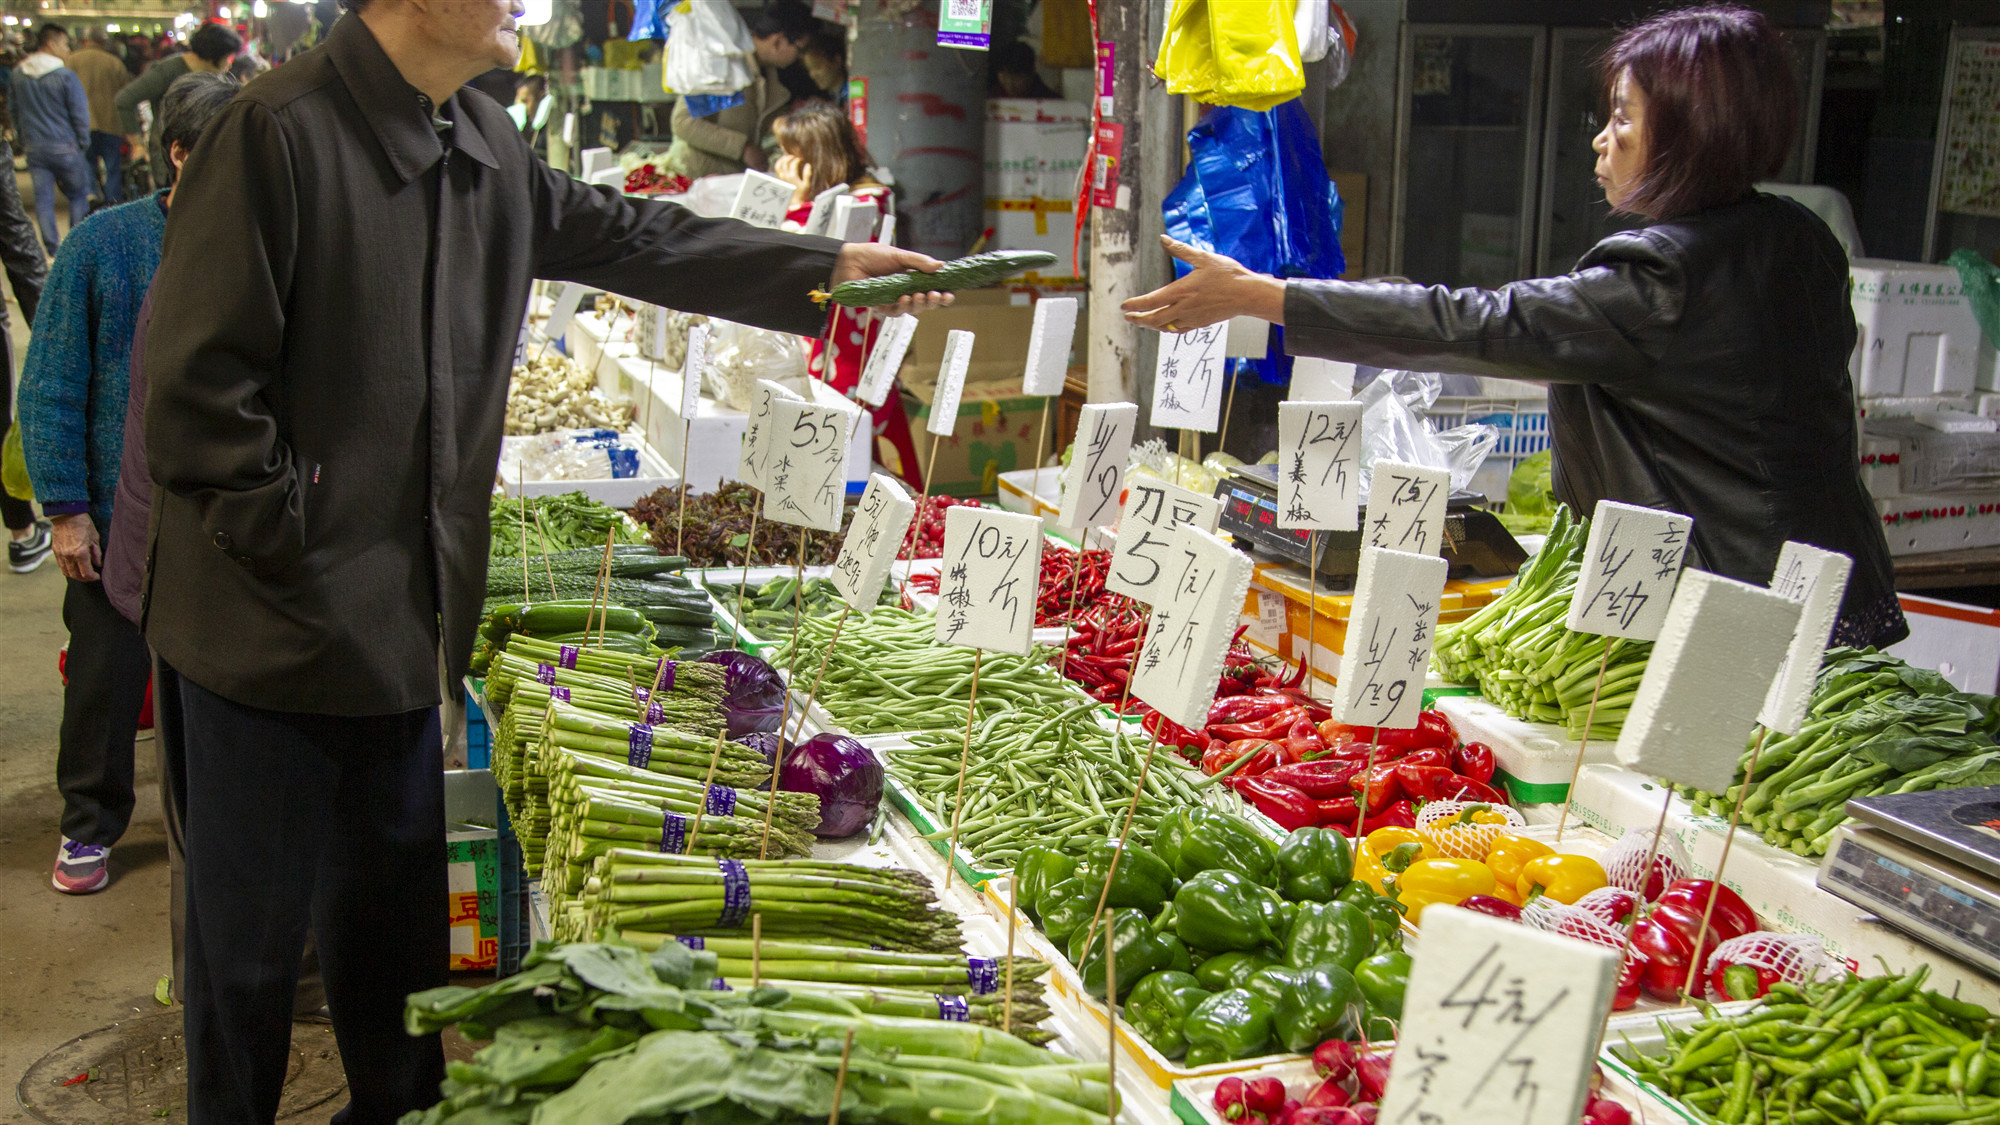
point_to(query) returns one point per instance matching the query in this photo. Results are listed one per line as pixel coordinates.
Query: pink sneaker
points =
(81, 868)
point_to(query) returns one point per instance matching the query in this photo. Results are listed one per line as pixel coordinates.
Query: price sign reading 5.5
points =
(806, 486)
(1194, 619)
(987, 584)
(1153, 510)
(1396, 599)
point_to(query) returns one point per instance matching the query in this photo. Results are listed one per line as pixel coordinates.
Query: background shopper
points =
(210, 50)
(53, 116)
(103, 75)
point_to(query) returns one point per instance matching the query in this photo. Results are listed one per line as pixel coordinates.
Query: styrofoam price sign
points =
(1096, 470)
(1406, 507)
(988, 579)
(562, 308)
(1397, 595)
(853, 219)
(1319, 465)
(692, 370)
(1817, 580)
(892, 343)
(951, 383)
(1187, 383)
(874, 536)
(762, 200)
(1048, 347)
(821, 215)
(1153, 510)
(1500, 1024)
(1248, 336)
(1705, 680)
(1631, 561)
(1193, 622)
(807, 463)
(1321, 380)
(756, 454)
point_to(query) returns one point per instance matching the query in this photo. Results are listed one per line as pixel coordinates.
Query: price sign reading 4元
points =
(1319, 465)
(1153, 510)
(873, 537)
(1396, 599)
(891, 345)
(1406, 507)
(1096, 469)
(987, 581)
(1187, 383)
(808, 453)
(1500, 1024)
(756, 454)
(1194, 620)
(1631, 561)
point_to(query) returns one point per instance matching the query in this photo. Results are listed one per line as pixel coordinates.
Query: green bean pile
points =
(888, 674)
(1845, 1052)
(1059, 780)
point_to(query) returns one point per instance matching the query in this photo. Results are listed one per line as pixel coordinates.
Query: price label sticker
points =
(892, 343)
(562, 308)
(1187, 382)
(1817, 580)
(1319, 465)
(762, 200)
(1631, 560)
(692, 370)
(988, 579)
(1192, 625)
(951, 383)
(1396, 600)
(1406, 507)
(874, 536)
(1269, 628)
(1096, 470)
(1321, 380)
(756, 451)
(1154, 510)
(1048, 347)
(1706, 679)
(1499, 1025)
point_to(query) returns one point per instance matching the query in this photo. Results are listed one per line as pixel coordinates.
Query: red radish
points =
(1229, 1099)
(1286, 1112)
(1329, 1093)
(1264, 1096)
(1334, 1059)
(1604, 1111)
(1372, 1072)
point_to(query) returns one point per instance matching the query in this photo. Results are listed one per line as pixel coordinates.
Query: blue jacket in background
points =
(74, 381)
(51, 111)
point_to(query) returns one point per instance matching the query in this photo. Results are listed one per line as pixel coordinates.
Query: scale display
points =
(1936, 901)
(1253, 515)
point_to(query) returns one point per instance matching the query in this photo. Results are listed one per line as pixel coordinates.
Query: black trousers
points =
(296, 821)
(108, 669)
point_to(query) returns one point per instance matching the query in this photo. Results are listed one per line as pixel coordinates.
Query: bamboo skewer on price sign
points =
(1397, 595)
(1630, 564)
(1048, 363)
(1093, 480)
(892, 343)
(692, 369)
(751, 463)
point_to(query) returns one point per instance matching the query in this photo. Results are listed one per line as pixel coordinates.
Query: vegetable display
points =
(553, 392)
(766, 610)
(1070, 581)
(555, 523)
(717, 530)
(562, 587)
(647, 179)
(842, 774)
(975, 271)
(925, 539)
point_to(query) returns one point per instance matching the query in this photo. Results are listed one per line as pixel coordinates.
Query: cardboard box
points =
(1034, 151)
(1918, 336)
(994, 436)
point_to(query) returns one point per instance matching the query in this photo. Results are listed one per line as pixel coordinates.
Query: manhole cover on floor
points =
(140, 1070)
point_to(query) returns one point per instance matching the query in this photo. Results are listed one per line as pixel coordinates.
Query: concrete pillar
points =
(927, 124)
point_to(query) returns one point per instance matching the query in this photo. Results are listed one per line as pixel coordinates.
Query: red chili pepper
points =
(1245, 708)
(1383, 786)
(1287, 806)
(1463, 788)
(1402, 814)
(1264, 754)
(1438, 727)
(1415, 738)
(1474, 760)
(1323, 780)
(1302, 741)
(1338, 813)
(1429, 756)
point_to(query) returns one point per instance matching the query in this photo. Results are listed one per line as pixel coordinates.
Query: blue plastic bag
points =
(702, 105)
(649, 20)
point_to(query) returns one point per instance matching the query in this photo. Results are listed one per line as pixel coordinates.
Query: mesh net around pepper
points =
(1438, 823)
(1608, 905)
(1552, 917)
(1796, 958)
(1625, 861)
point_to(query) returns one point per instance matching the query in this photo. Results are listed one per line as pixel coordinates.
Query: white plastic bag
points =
(1310, 21)
(1393, 428)
(739, 355)
(709, 50)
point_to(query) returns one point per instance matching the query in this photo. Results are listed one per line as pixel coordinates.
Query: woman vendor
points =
(1697, 364)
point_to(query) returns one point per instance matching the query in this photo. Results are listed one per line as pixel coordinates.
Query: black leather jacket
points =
(1698, 365)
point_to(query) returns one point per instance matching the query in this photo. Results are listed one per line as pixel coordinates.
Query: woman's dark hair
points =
(213, 43)
(789, 18)
(823, 137)
(1722, 106)
(190, 104)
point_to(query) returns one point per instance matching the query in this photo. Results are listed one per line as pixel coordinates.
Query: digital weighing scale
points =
(1927, 864)
(1474, 540)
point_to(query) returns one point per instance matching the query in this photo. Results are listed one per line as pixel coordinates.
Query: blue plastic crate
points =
(478, 737)
(514, 936)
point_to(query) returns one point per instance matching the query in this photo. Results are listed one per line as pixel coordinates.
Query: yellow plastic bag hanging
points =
(14, 466)
(528, 63)
(1232, 52)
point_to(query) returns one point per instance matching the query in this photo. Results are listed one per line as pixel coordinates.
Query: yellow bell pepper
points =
(1450, 881)
(1368, 870)
(1509, 854)
(1564, 878)
(1382, 841)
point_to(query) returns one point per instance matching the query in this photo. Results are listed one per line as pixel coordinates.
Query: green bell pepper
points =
(1038, 869)
(1386, 919)
(1314, 864)
(1232, 1024)
(1142, 951)
(1379, 1029)
(1221, 910)
(1383, 979)
(1168, 836)
(1230, 970)
(1141, 882)
(1270, 985)
(1329, 933)
(1321, 1003)
(1158, 1009)
(1213, 841)
(1066, 908)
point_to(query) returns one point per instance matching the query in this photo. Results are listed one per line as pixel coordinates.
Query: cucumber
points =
(974, 272)
(571, 618)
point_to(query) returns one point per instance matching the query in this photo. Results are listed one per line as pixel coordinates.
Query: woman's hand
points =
(792, 170)
(76, 547)
(1217, 289)
(872, 259)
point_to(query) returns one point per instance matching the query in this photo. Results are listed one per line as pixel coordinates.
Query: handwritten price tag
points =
(951, 383)
(853, 219)
(1499, 1025)
(1048, 347)
(1096, 469)
(1192, 626)
(873, 537)
(1396, 599)
(756, 454)
(563, 309)
(987, 581)
(1631, 561)
(1705, 681)
(1319, 465)
(762, 200)
(808, 487)
(1406, 507)
(891, 345)
(1817, 580)
(1187, 383)
(693, 369)
(821, 216)
(1153, 510)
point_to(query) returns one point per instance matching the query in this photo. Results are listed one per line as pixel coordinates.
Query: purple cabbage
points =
(753, 695)
(765, 742)
(843, 774)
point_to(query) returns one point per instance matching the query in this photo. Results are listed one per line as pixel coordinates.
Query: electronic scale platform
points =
(1927, 864)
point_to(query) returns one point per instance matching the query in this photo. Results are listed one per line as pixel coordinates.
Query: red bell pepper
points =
(1474, 760)
(1322, 780)
(1614, 906)
(1425, 783)
(1264, 754)
(1733, 981)
(1287, 806)
(1465, 789)
(1630, 974)
(1382, 785)
(1668, 953)
(1401, 814)
(1731, 914)
(1439, 728)
(1492, 907)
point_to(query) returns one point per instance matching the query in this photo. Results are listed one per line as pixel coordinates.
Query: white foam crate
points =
(618, 492)
(1538, 757)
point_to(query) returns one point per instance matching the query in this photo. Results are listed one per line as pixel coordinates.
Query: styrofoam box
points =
(1959, 642)
(619, 492)
(586, 344)
(1918, 335)
(1038, 492)
(1538, 758)
(718, 427)
(1916, 525)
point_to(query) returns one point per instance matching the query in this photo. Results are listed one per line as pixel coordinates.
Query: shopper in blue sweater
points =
(52, 114)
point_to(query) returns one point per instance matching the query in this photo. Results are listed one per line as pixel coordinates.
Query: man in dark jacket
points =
(348, 255)
(53, 115)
